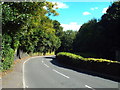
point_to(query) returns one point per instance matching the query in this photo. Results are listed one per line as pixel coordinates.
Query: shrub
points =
(103, 66)
(78, 57)
(7, 58)
(70, 55)
(7, 52)
(99, 60)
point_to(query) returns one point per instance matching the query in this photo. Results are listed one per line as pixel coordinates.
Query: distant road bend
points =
(39, 72)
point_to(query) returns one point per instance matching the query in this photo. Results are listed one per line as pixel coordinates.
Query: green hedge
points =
(103, 66)
(78, 57)
(70, 55)
(7, 58)
(7, 53)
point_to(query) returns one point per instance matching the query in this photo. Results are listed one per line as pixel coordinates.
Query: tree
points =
(58, 28)
(102, 37)
(85, 38)
(67, 41)
(25, 24)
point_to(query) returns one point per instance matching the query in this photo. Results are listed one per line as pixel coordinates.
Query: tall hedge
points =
(7, 52)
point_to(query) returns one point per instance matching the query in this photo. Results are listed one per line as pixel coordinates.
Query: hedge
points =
(7, 58)
(78, 57)
(103, 66)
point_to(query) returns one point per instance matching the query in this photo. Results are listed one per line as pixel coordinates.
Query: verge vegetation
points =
(103, 66)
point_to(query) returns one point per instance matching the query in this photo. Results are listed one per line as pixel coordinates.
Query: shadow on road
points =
(55, 62)
(50, 57)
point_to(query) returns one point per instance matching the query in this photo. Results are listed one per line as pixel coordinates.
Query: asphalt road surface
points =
(40, 72)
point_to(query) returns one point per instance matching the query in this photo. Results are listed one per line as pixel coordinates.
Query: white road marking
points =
(46, 65)
(60, 73)
(89, 87)
(24, 73)
(24, 86)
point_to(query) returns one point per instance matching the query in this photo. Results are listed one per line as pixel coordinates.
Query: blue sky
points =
(74, 14)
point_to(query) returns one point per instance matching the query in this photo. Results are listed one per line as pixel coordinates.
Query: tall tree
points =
(67, 41)
(101, 38)
(21, 24)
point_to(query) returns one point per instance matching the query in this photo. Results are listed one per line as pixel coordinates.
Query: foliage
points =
(70, 55)
(26, 26)
(101, 66)
(58, 29)
(80, 58)
(86, 37)
(100, 37)
(7, 52)
(67, 39)
(8, 57)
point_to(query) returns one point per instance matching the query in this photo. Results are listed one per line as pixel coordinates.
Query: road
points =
(40, 72)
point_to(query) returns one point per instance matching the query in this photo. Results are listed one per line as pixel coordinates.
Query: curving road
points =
(41, 72)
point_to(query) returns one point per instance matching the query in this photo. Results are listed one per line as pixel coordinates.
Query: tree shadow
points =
(49, 57)
(59, 64)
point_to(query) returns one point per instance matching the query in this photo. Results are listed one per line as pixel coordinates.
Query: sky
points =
(73, 14)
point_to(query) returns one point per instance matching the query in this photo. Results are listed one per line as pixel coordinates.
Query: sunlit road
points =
(40, 72)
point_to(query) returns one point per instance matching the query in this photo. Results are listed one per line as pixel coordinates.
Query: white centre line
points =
(89, 87)
(46, 65)
(60, 73)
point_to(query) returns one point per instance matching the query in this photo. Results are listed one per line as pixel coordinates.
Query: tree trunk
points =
(18, 53)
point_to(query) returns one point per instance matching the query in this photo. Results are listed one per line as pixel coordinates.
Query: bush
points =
(78, 57)
(7, 58)
(103, 66)
(70, 55)
(7, 52)
(70, 58)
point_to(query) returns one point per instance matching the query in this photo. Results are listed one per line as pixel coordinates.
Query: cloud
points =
(104, 10)
(45, 7)
(60, 5)
(86, 13)
(71, 26)
(94, 8)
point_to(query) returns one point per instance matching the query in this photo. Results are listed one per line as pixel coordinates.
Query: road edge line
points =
(24, 70)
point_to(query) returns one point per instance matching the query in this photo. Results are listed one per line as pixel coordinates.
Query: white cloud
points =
(94, 8)
(45, 7)
(60, 5)
(86, 13)
(104, 10)
(71, 26)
